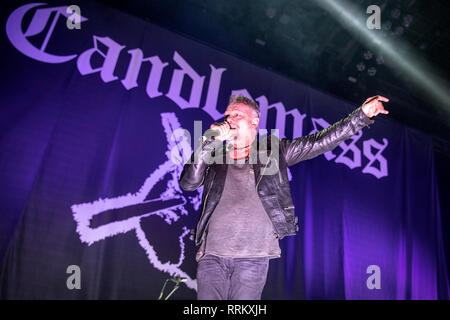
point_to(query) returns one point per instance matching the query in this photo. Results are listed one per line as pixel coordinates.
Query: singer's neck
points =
(243, 142)
(237, 154)
(235, 147)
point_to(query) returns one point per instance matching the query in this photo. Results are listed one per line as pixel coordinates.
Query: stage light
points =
(380, 60)
(398, 54)
(387, 25)
(271, 12)
(407, 20)
(395, 13)
(398, 31)
(361, 66)
(368, 55)
(260, 42)
(284, 19)
(371, 71)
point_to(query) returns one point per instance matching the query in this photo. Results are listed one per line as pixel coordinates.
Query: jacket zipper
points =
(260, 177)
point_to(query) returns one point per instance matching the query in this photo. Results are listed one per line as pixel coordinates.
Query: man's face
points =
(244, 120)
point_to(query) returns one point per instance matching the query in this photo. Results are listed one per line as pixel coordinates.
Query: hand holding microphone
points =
(221, 131)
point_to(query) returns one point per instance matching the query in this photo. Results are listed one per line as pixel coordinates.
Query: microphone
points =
(211, 134)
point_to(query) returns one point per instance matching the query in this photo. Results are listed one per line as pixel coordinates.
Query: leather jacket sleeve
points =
(311, 146)
(193, 173)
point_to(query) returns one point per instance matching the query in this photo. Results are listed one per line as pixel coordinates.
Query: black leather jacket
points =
(272, 185)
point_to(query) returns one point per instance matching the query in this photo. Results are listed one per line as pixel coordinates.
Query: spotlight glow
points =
(397, 55)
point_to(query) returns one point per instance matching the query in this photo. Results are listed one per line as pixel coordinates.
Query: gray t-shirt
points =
(239, 226)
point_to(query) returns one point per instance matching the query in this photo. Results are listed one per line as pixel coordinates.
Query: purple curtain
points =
(91, 139)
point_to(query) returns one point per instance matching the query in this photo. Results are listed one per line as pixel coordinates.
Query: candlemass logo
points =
(377, 164)
(104, 218)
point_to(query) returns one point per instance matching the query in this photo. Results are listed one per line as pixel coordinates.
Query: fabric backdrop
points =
(91, 138)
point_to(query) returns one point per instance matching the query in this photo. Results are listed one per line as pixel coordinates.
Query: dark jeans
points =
(220, 278)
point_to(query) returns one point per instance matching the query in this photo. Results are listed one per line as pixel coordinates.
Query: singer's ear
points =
(255, 121)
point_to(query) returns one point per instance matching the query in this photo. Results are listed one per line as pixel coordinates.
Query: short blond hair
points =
(239, 98)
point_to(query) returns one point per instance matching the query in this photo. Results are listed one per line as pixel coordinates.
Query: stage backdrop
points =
(90, 129)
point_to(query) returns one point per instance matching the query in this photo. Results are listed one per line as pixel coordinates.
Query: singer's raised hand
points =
(374, 105)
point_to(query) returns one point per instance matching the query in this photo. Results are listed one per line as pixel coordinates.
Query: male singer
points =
(247, 205)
